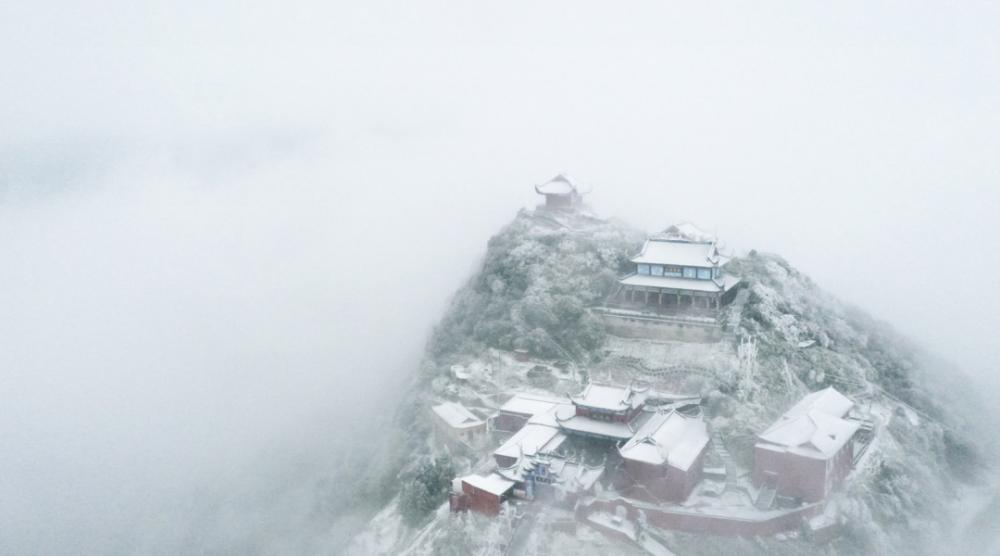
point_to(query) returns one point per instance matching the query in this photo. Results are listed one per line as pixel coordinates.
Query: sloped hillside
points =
(925, 451)
(532, 292)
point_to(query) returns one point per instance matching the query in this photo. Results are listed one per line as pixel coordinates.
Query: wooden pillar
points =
(660, 300)
(678, 299)
(647, 297)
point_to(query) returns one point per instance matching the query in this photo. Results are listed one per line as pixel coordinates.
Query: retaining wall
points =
(652, 328)
(691, 522)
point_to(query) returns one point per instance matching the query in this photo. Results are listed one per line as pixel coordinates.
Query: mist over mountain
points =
(243, 245)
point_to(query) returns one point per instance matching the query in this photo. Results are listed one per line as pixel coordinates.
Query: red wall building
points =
(663, 461)
(482, 494)
(809, 451)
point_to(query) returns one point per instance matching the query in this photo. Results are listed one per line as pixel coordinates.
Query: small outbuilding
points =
(809, 451)
(456, 424)
(481, 494)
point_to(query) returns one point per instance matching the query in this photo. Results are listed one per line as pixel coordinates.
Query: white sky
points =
(221, 220)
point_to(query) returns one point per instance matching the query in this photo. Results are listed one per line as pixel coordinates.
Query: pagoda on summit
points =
(563, 193)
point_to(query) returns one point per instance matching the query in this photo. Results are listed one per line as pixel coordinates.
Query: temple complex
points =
(618, 457)
(641, 454)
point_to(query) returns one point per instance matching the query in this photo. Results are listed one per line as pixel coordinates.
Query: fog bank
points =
(226, 230)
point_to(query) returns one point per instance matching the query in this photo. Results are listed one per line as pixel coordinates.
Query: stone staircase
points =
(614, 293)
(732, 471)
(518, 543)
(736, 314)
(765, 498)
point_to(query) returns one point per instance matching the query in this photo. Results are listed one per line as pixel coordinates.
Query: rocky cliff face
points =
(914, 491)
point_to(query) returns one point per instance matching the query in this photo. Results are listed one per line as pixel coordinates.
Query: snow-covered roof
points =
(669, 397)
(612, 398)
(604, 429)
(814, 434)
(579, 478)
(685, 232)
(531, 439)
(571, 476)
(680, 253)
(494, 484)
(552, 417)
(529, 404)
(562, 184)
(456, 415)
(813, 427)
(671, 438)
(724, 283)
(828, 401)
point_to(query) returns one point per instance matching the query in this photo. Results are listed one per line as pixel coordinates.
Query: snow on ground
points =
(623, 526)
(443, 533)
(666, 356)
(588, 542)
(382, 533)
(655, 548)
(665, 364)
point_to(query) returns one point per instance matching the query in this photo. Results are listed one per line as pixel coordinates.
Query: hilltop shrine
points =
(563, 193)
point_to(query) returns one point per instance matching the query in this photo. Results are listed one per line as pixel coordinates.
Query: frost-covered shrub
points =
(425, 488)
(415, 502)
(533, 290)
